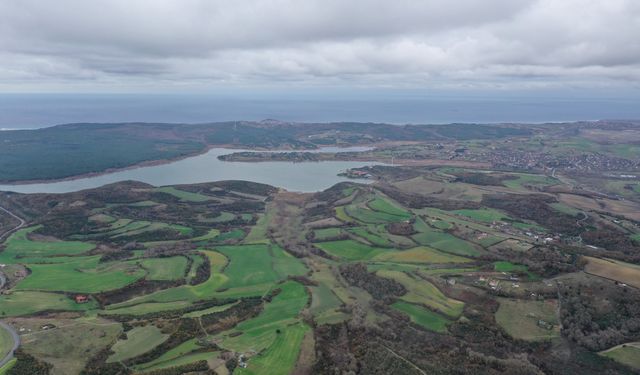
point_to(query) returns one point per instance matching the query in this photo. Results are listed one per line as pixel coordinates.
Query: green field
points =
(183, 360)
(23, 303)
(184, 195)
(327, 233)
(486, 215)
(627, 354)
(6, 342)
(261, 332)
(445, 242)
(384, 205)
(210, 310)
(366, 215)
(171, 268)
(139, 340)
(350, 250)
(281, 356)
(146, 308)
(258, 264)
(167, 359)
(18, 245)
(84, 275)
(420, 291)
(420, 255)
(503, 266)
(520, 318)
(369, 235)
(423, 317)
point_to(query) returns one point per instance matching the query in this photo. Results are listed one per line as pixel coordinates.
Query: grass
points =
(327, 233)
(445, 242)
(4, 370)
(172, 354)
(223, 217)
(6, 342)
(636, 238)
(350, 250)
(503, 266)
(210, 310)
(184, 195)
(423, 317)
(258, 233)
(84, 275)
(485, 215)
(24, 303)
(258, 264)
(20, 246)
(372, 238)
(614, 269)
(281, 356)
(183, 360)
(170, 268)
(520, 318)
(523, 180)
(70, 345)
(211, 234)
(384, 205)
(139, 340)
(420, 255)
(146, 308)
(259, 333)
(365, 215)
(627, 354)
(234, 234)
(420, 291)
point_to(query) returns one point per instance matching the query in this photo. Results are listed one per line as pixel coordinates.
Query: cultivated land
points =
(489, 249)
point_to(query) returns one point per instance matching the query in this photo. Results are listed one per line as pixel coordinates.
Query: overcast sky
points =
(200, 45)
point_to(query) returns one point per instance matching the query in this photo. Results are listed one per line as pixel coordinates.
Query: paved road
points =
(3, 280)
(20, 220)
(22, 223)
(16, 343)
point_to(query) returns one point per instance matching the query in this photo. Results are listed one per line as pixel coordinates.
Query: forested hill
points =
(76, 149)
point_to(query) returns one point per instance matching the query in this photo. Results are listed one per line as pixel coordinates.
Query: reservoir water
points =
(303, 177)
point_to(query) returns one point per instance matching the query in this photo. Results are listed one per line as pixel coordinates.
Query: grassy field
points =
(384, 205)
(183, 360)
(327, 233)
(258, 233)
(261, 332)
(520, 318)
(523, 180)
(146, 308)
(6, 342)
(420, 291)
(371, 237)
(445, 242)
(627, 354)
(20, 245)
(84, 275)
(485, 215)
(366, 215)
(171, 268)
(614, 269)
(503, 266)
(423, 317)
(350, 250)
(258, 264)
(184, 195)
(210, 310)
(420, 255)
(168, 358)
(341, 215)
(71, 344)
(139, 340)
(23, 303)
(281, 356)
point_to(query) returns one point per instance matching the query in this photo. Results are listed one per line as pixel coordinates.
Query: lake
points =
(302, 177)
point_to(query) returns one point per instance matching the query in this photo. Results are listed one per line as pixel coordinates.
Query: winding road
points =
(3, 280)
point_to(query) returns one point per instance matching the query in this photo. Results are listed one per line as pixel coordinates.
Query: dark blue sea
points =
(20, 111)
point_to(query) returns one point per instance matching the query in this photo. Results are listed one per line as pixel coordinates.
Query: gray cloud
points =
(406, 43)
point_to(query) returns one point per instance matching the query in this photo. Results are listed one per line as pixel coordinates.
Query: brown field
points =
(625, 208)
(458, 191)
(615, 270)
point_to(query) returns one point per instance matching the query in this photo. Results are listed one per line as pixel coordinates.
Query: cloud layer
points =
(197, 44)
